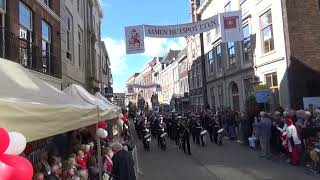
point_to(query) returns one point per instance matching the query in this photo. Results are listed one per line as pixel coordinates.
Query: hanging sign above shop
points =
(230, 24)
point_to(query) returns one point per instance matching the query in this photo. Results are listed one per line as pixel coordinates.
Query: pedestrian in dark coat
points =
(123, 164)
(265, 134)
(245, 126)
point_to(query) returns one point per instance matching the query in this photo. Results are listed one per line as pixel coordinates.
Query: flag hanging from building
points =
(134, 39)
(231, 26)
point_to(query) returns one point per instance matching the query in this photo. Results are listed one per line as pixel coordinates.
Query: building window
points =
(246, 44)
(78, 5)
(47, 2)
(69, 36)
(267, 31)
(220, 95)
(244, 4)
(25, 21)
(231, 54)
(3, 5)
(25, 16)
(227, 7)
(212, 97)
(210, 57)
(272, 81)
(211, 61)
(219, 57)
(80, 42)
(199, 76)
(46, 46)
(190, 80)
(199, 3)
(247, 85)
(208, 37)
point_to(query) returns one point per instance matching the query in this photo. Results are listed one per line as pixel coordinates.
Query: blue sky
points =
(121, 13)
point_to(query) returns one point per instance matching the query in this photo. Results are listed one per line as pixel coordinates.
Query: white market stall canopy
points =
(36, 109)
(114, 107)
(81, 94)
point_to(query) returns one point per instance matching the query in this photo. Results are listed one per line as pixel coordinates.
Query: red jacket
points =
(125, 118)
(82, 162)
(88, 154)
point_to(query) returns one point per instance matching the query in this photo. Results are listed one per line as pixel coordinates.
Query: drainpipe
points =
(203, 69)
(287, 45)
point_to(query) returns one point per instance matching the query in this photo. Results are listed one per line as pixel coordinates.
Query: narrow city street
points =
(228, 162)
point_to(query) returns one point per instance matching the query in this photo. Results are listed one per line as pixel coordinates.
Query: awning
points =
(117, 109)
(36, 109)
(81, 94)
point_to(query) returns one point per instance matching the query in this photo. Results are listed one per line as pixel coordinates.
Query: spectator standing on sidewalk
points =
(294, 144)
(264, 127)
(123, 164)
(245, 127)
(275, 144)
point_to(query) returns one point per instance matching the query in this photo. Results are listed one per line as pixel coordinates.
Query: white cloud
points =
(118, 87)
(118, 58)
(117, 54)
(154, 47)
(159, 47)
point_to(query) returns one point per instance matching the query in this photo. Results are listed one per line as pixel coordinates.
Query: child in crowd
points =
(72, 169)
(87, 152)
(92, 148)
(81, 160)
(253, 139)
(93, 169)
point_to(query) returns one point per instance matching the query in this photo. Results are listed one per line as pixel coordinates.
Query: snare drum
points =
(163, 135)
(220, 130)
(204, 132)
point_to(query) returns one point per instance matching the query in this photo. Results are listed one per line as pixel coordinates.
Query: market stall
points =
(106, 112)
(36, 109)
(114, 107)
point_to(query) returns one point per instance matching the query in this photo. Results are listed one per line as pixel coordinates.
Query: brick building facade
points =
(32, 37)
(282, 53)
(302, 27)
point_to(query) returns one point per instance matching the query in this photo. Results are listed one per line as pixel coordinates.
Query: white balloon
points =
(102, 133)
(120, 122)
(120, 116)
(17, 143)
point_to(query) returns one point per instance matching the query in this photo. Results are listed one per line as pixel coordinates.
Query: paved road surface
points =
(229, 162)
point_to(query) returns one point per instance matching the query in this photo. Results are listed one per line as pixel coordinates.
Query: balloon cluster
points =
(12, 166)
(101, 132)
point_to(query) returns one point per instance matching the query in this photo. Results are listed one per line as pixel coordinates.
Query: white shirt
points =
(292, 132)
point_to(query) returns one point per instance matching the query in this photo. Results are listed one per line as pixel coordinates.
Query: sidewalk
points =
(236, 161)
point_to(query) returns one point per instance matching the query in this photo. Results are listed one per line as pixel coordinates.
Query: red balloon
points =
(102, 124)
(22, 168)
(6, 171)
(5, 140)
